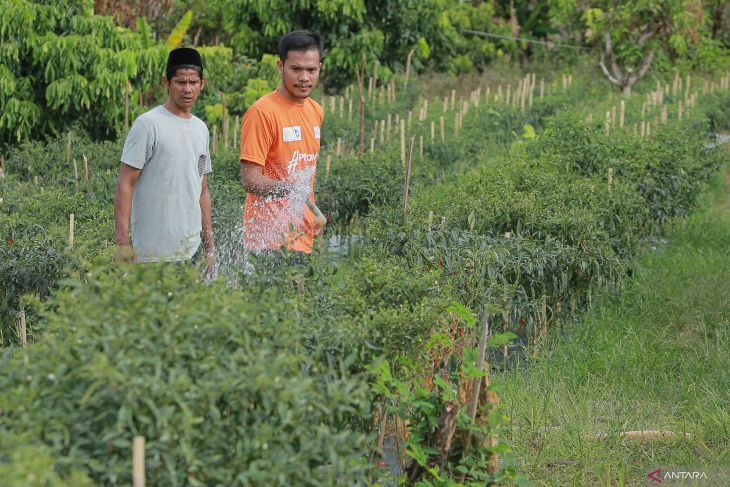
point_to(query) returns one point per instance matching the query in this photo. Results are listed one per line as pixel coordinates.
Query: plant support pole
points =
(138, 469)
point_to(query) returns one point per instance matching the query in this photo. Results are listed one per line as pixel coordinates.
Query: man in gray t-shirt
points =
(162, 179)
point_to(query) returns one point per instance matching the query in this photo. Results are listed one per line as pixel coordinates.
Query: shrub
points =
(218, 382)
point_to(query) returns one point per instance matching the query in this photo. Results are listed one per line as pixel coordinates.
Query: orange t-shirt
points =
(283, 137)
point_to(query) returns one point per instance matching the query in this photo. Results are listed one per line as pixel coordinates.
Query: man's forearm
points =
(122, 210)
(253, 181)
(206, 210)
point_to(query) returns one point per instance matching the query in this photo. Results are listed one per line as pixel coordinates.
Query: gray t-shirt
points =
(173, 154)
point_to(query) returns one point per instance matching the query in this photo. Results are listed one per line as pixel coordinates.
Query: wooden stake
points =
(71, 225)
(224, 118)
(621, 116)
(453, 98)
(408, 67)
(22, 327)
(372, 145)
(610, 178)
(608, 122)
(403, 141)
(349, 109)
(215, 139)
(420, 147)
(613, 116)
(86, 168)
(362, 124)
(387, 132)
(370, 87)
(338, 151)
(76, 171)
(139, 478)
(126, 106)
(443, 131)
(433, 130)
(407, 179)
(68, 148)
(327, 165)
(472, 411)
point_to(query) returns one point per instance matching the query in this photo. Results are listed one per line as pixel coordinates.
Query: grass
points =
(654, 357)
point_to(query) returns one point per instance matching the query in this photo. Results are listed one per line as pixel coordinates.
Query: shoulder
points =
(265, 104)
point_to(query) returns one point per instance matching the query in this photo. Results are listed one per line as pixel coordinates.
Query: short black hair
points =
(300, 40)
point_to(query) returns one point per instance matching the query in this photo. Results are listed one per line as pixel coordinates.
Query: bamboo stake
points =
(362, 124)
(327, 165)
(68, 148)
(453, 98)
(86, 168)
(215, 139)
(76, 171)
(126, 106)
(349, 109)
(679, 111)
(224, 121)
(446, 104)
(430, 219)
(408, 67)
(407, 179)
(372, 145)
(443, 131)
(22, 327)
(608, 122)
(621, 116)
(410, 116)
(403, 142)
(387, 132)
(71, 225)
(433, 130)
(613, 116)
(420, 147)
(338, 151)
(138, 467)
(610, 178)
(382, 132)
(472, 411)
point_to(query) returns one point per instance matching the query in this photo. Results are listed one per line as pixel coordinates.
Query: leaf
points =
(178, 33)
(501, 339)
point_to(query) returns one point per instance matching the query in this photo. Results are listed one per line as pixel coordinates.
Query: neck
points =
(176, 110)
(283, 92)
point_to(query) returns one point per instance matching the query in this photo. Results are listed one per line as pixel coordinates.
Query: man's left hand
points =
(211, 268)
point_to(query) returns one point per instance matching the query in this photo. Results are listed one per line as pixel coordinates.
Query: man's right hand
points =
(124, 254)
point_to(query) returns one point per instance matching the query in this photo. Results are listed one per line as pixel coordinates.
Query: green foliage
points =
(32, 464)
(59, 61)
(219, 382)
(178, 32)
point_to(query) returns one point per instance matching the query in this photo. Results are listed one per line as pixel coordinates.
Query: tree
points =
(62, 65)
(631, 34)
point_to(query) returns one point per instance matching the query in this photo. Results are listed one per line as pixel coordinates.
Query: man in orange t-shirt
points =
(280, 137)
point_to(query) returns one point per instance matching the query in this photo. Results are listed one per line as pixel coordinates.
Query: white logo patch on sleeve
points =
(316, 131)
(292, 134)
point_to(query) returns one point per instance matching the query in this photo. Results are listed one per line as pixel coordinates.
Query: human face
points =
(299, 74)
(183, 89)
